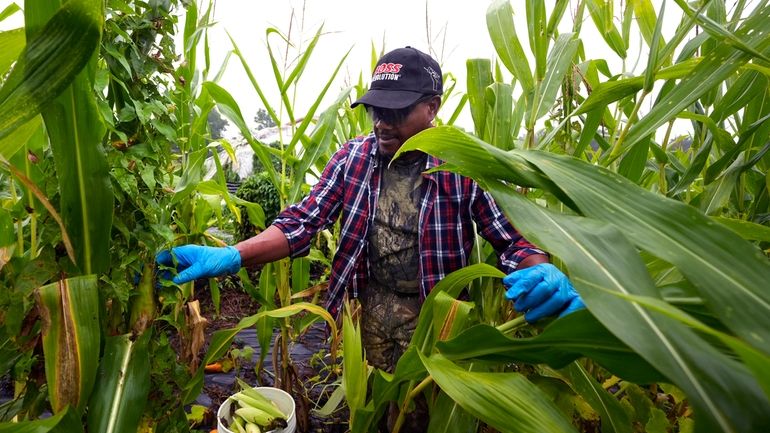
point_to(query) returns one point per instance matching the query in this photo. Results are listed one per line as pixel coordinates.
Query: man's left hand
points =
(541, 291)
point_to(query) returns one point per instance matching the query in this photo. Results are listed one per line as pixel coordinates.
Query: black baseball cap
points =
(401, 77)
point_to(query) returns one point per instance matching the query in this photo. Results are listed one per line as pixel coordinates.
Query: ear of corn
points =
(262, 404)
(254, 415)
(237, 425)
(252, 412)
(252, 428)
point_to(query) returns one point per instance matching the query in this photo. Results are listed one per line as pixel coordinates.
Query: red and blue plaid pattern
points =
(348, 189)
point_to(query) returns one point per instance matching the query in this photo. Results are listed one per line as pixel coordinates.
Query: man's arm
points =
(290, 233)
(268, 246)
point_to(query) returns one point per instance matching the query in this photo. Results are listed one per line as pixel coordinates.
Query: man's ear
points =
(434, 104)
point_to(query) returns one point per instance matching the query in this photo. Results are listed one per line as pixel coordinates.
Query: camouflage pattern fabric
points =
(391, 303)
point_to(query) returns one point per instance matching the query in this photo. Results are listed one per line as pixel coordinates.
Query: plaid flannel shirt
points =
(348, 189)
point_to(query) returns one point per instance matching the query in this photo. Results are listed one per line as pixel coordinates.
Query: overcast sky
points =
(452, 30)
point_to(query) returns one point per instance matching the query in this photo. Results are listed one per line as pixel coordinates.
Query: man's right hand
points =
(196, 261)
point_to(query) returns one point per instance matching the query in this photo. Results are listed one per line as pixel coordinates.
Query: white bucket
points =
(282, 399)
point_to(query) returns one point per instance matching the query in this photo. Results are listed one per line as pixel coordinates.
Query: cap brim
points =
(391, 99)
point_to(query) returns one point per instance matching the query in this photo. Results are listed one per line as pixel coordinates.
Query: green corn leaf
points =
(755, 360)
(122, 391)
(590, 128)
(614, 417)
(220, 184)
(726, 270)
(559, 66)
(750, 136)
(11, 45)
(652, 60)
(191, 176)
(49, 62)
(647, 20)
(694, 169)
(264, 329)
(500, 101)
(506, 43)
(66, 421)
(556, 15)
(719, 32)
(606, 261)
(332, 403)
(602, 15)
(15, 142)
(458, 110)
(452, 284)
(684, 30)
(319, 144)
(560, 343)
(479, 77)
(454, 418)
(84, 182)
(76, 132)
(71, 335)
(279, 81)
(505, 401)
(354, 368)
(519, 111)
(634, 161)
(468, 161)
(221, 340)
(296, 73)
(716, 67)
(746, 229)
(268, 285)
(748, 86)
(310, 114)
(538, 40)
(612, 91)
(300, 274)
(625, 23)
(254, 83)
(9, 10)
(703, 154)
(450, 316)
(230, 109)
(717, 193)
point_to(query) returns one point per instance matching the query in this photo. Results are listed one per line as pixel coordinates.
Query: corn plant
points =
(52, 76)
(82, 326)
(673, 277)
(303, 150)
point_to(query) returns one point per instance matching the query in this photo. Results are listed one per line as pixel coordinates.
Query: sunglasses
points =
(394, 117)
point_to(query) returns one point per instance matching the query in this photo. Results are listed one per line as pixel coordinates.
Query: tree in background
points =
(263, 120)
(217, 124)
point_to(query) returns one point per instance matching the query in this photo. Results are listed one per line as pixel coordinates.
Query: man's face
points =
(393, 127)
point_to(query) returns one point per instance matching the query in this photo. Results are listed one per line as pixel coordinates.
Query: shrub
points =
(257, 189)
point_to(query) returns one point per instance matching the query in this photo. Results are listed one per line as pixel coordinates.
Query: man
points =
(402, 230)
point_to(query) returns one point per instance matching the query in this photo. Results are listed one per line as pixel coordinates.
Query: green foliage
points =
(258, 167)
(627, 218)
(257, 189)
(649, 229)
(133, 88)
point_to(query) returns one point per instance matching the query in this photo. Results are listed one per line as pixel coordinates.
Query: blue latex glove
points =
(196, 261)
(541, 291)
